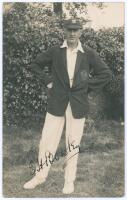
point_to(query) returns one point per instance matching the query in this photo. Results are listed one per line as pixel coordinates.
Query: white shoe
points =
(68, 188)
(34, 182)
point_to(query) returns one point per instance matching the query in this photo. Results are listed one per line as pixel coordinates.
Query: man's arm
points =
(38, 65)
(101, 74)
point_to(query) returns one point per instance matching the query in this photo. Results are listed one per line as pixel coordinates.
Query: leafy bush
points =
(109, 43)
(28, 30)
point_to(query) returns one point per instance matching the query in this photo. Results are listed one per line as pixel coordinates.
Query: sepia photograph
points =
(63, 99)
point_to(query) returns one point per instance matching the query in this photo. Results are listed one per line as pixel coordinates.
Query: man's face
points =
(72, 35)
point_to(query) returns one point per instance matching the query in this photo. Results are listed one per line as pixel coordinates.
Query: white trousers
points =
(51, 134)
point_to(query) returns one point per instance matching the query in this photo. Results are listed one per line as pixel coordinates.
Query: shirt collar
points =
(78, 48)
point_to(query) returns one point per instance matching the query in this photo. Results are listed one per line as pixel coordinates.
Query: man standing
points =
(71, 65)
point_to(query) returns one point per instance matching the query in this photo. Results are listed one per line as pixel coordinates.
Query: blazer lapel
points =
(64, 71)
(77, 65)
(78, 61)
(64, 67)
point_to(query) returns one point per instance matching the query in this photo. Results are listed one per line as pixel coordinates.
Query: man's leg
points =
(50, 139)
(74, 132)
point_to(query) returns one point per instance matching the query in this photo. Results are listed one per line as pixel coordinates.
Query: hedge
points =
(24, 36)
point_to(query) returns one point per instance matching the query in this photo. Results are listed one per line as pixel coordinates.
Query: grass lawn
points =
(100, 167)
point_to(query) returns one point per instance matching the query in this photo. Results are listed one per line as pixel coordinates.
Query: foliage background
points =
(28, 31)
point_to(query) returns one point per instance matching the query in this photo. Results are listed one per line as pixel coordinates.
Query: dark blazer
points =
(61, 93)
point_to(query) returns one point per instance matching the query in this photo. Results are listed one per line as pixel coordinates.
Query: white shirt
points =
(71, 59)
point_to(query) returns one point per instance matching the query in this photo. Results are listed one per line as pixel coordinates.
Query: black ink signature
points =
(50, 159)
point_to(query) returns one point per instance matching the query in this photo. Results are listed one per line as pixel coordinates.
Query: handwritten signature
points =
(50, 158)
